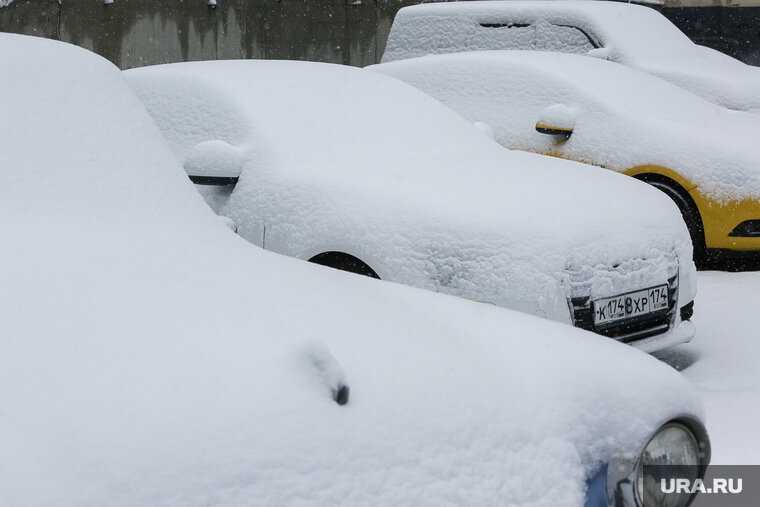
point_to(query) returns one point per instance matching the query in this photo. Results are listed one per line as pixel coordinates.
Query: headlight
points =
(679, 449)
(672, 453)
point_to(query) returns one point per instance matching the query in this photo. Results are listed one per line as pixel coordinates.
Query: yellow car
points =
(706, 158)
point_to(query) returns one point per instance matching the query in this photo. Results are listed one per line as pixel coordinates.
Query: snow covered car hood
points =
(633, 35)
(624, 117)
(432, 177)
(152, 357)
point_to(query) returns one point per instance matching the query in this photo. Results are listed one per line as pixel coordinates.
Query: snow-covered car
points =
(703, 156)
(152, 357)
(632, 35)
(358, 171)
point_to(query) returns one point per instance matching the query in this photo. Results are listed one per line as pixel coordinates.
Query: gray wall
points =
(132, 33)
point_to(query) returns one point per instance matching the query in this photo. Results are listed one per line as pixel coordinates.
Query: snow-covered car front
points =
(703, 156)
(336, 162)
(632, 35)
(152, 357)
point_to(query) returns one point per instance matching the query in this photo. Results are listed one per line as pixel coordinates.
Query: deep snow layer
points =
(722, 362)
(338, 158)
(152, 357)
(633, 35)
(633, 30)
(624, 118)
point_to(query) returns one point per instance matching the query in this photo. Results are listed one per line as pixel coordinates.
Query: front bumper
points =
(651, 332)
(680, 333)
(719, 219)
(731, 260)
(596, 489)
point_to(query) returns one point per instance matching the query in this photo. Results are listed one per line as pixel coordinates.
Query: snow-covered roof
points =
(618, 86)
(629, 34)
(636, 31)
(625, 117)
(152, 357)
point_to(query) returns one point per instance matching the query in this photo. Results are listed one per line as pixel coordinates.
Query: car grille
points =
(631, 329)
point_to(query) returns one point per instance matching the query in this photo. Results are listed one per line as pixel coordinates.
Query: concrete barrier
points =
(132, 33)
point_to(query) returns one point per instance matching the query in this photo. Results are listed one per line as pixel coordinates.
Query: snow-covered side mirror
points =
(556, 120)
(601, 53)
(214, 163)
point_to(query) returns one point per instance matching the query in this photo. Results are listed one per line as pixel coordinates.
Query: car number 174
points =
(632, 304)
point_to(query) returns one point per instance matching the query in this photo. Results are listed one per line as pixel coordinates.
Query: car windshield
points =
(325, 113)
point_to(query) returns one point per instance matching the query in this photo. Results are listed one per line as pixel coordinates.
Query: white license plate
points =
(630, 305)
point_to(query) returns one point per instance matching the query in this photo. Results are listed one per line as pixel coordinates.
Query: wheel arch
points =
(678, 190)
(345, 262)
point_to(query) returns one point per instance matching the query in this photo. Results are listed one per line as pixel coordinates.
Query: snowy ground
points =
(723, 362)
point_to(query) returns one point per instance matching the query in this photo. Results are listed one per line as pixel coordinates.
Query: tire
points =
(690, 214)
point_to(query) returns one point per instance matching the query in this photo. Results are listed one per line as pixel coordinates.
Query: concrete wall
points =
(133, 33)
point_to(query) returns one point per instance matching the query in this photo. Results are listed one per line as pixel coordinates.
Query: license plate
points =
(630, 305)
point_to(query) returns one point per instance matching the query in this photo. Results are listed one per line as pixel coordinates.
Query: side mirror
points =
(601, 53)
(556, 120)
(214, 163)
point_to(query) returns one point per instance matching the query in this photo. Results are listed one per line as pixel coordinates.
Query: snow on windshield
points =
(279, 102)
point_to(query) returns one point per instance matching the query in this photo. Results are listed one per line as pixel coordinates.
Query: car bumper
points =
(655, 331)
(732, 260)
(720, 219)
(680, 333)
(682, 330)
(596, 489)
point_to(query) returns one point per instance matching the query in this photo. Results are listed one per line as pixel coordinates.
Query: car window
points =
(561, 38)
(540, 36)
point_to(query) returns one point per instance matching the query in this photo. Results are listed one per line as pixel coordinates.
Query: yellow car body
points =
(719, 219)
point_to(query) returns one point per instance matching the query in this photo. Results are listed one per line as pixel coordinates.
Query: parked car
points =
(152, 357)
(703, 156)
(357, 171)
(632, 35)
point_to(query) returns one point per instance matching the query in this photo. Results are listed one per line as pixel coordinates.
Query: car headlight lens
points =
(673, 453)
